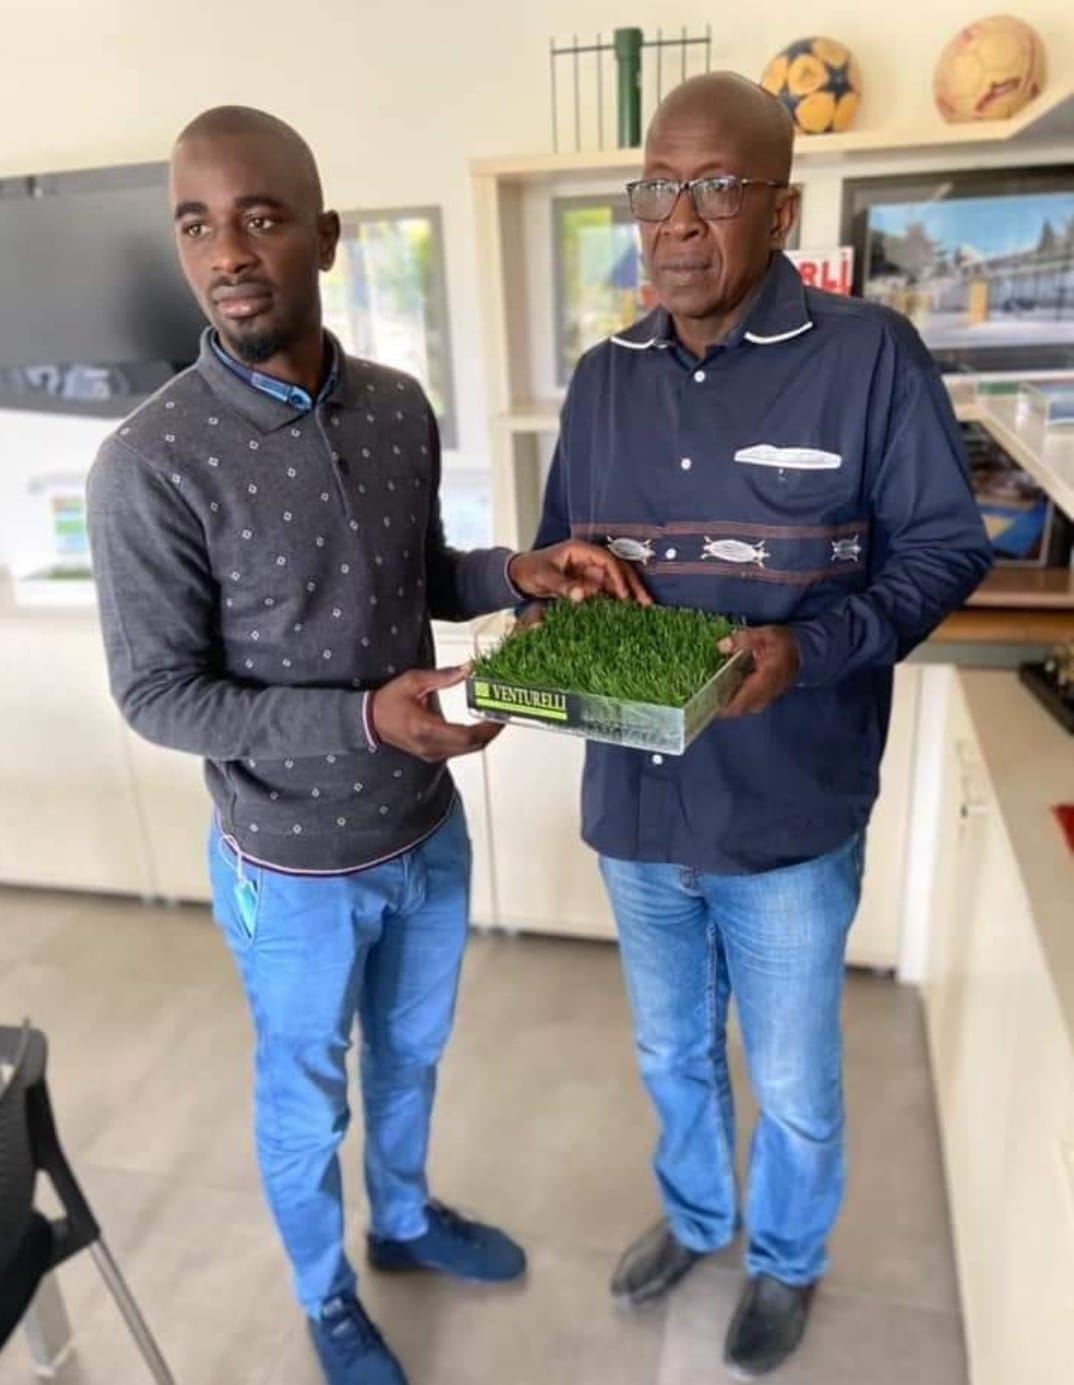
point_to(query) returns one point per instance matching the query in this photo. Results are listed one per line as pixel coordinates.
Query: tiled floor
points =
(542, 1126)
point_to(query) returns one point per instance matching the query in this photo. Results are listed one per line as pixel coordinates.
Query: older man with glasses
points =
(791, 459)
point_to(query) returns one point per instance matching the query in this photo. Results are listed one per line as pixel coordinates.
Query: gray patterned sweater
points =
(260, 567)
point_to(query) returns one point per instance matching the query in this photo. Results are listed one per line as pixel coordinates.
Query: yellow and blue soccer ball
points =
(819, 82)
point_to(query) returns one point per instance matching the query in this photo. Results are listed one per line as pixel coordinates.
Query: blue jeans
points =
(384, 946)
(776, 941)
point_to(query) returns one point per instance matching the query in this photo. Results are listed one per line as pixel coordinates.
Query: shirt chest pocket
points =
(805, 481)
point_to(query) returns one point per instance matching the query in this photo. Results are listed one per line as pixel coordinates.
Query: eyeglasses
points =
(714, 199)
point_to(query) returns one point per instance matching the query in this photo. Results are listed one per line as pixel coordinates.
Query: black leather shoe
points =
(768, 1325)
(652, 1266)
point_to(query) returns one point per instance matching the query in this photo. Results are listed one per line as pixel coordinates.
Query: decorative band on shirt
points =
(722, 548)
(600, 531)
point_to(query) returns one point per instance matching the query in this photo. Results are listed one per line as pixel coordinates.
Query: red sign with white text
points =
(830, 270)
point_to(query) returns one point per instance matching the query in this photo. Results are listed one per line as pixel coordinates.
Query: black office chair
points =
(31, 1246)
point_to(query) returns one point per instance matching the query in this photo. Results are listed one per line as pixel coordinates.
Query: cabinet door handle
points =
(971, 806)
(1066, 1156)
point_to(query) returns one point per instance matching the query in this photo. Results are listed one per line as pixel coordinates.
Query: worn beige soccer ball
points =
(989, 70)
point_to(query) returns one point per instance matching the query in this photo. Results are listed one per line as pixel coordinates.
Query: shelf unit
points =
(523, 419)
(1046, 454)
(1049, 118)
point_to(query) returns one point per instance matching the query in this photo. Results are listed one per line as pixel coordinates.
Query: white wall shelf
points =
(1049, 118)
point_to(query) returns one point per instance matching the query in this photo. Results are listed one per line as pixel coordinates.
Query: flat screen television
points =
(94, 311)
(982, 262)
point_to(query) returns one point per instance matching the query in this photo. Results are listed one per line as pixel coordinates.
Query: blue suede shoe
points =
(350, 1349)
(452, 1245)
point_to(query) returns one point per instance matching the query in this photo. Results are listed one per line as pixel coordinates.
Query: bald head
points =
(734, 114)
(230, 124)
(727, 145)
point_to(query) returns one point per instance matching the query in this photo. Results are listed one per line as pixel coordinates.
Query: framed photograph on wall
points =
(600, 281)
(386, 300)
(982, 262)
(599, 277)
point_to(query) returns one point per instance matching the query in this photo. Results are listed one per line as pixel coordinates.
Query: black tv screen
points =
(982, 262)
(94, 311)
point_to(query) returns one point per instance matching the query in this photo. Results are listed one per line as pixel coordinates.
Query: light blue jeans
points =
(384, 946)
(776, 941)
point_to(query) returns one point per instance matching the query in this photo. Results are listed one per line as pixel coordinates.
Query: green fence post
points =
(628, 45)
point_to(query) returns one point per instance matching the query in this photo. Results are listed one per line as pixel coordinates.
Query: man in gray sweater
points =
(269, 553)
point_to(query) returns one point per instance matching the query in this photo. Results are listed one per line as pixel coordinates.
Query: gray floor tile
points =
(191, 1115)
(559, 1325)
(206, 1270)
(850, 1340)
(29, 920)
(542, 1125)
(108, 939)
(541, 1116)
(107, 1037)
(893, 1239)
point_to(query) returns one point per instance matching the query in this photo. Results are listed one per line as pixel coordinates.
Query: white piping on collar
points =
(641, 345)
(653, 341)
(783, 336)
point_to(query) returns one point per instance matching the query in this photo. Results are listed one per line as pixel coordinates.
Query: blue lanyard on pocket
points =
(245, 888)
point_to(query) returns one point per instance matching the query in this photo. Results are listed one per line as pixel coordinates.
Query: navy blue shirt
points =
(807, 472)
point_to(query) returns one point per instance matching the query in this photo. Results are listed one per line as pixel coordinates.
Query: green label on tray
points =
(502, 697)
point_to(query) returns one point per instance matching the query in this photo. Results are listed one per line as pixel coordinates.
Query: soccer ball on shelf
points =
(989, 70)
(819, 82)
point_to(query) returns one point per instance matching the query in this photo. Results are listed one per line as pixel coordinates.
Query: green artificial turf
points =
(657, 654)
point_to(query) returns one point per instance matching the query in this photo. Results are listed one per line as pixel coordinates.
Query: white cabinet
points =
(1033, 1219)
(453, 647)
(1003, 1067)
(176, 811)
(547, 879)
(68, 816)
(874, 939)
(88, 804)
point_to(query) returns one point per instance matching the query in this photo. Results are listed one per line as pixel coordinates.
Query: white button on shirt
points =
(658, 759)
(686, 463)
(699, 376)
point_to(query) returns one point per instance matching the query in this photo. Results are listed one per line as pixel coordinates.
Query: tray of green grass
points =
(648, 677)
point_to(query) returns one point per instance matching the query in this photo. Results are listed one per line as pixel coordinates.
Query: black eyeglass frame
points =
(722, 182)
